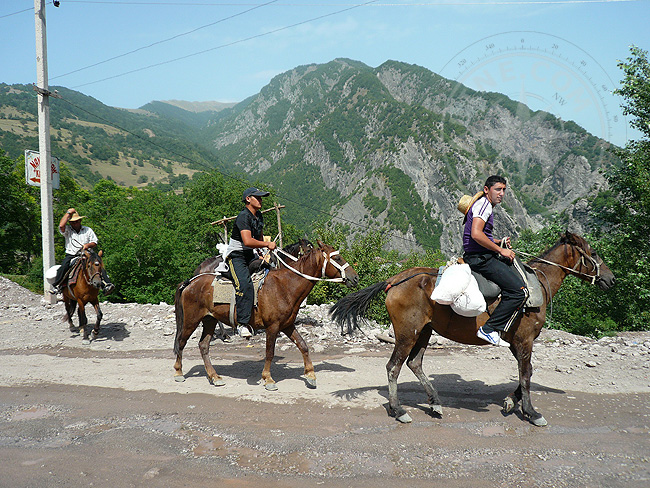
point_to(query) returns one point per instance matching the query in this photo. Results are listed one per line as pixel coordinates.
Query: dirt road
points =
(111, 414)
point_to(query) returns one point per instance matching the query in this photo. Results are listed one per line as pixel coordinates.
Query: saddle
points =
(73, 272)
(491, 290)
(223, 290)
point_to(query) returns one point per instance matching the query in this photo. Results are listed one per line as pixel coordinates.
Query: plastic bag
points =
(454, 280)
(470, 303)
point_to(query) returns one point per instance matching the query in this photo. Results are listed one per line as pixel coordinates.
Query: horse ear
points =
(100, 253)
(320, 243)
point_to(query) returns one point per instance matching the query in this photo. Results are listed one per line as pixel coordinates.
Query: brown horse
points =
(414, 316)
(84, 290)
(278, 302)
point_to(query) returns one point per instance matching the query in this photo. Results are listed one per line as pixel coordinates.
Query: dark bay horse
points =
(414, 316)
(84, 290)
(279, 299)
(296, 249)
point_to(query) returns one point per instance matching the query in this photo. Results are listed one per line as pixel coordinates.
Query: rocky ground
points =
(61, 400)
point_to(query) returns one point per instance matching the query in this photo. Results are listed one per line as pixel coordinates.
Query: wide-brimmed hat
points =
(467, 201)
(76, 216)
(254, 192)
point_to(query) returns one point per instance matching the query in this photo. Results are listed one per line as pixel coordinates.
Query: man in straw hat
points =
(492, 258)
(246, 235)
(78, 238)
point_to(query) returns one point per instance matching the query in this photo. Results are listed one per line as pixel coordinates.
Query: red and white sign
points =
(33, 169)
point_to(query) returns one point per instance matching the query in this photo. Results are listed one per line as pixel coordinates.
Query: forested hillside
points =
(396, 146)
(96, 141)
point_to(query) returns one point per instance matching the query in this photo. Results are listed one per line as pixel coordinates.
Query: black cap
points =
(254, 192)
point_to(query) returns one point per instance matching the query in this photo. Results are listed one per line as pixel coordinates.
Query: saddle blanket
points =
(224, 290)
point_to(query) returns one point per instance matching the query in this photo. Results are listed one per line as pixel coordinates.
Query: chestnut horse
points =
(414, 316)
(279, 299)
(84, 290)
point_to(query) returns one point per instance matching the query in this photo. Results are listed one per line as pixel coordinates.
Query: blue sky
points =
(559, 56)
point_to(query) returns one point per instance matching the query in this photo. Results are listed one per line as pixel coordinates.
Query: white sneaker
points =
(493, 338)
(244, 331)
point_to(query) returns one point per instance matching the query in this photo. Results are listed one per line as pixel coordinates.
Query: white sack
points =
(454, 280)
(470, 303)
(50, 274)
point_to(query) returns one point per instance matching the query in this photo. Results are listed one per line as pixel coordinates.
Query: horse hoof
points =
(271, 387)
(219, 382)
(179, 379)
(508, 405)
(405, 419)
(311, 382)
(539, 422)
(436, 410)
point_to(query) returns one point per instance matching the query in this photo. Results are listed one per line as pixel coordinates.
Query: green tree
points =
(628, 213)
(20, 222)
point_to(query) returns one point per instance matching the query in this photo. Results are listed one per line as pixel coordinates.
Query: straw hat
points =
(76, 216)
(467, 201)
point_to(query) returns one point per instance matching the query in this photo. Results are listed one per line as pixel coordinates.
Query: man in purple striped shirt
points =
(493, 259)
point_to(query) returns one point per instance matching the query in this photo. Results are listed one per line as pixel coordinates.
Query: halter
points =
(87, 277)
(327, 259)
(581, 262)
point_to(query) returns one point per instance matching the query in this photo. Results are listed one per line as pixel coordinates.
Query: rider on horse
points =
(492, 259)
(246, 236)
(78, 238)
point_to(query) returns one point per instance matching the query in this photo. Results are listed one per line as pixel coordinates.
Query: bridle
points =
(88, 277)
(327, 259)
(582, 262)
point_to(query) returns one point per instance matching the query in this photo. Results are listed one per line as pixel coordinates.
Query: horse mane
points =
(566, 238)
(296, 246)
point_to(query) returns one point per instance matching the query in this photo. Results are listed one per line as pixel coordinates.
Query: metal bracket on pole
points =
(46, 93)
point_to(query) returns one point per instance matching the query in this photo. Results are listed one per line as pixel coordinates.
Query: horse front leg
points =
(523, 353)
(415, 364)
(271, 337)
(209, 324)
(293, 334)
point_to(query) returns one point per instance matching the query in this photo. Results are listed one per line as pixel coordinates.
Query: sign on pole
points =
(33, 169)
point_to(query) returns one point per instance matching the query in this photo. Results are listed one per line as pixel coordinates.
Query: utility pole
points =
(47, 222)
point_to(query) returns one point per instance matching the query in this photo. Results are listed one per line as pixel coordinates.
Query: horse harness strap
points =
(325, 261)
(389, 286)
(581, 261)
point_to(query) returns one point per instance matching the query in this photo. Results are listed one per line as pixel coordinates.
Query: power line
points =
(164, 40)
(273, 31)
(239, 180)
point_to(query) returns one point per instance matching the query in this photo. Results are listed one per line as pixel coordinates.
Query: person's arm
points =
(249, 241)
(64, 219)
(479, 236)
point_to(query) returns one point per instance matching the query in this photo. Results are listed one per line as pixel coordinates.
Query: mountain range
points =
(392, 148)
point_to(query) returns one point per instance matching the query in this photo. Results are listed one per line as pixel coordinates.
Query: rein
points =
(574, 270)
(328, 258)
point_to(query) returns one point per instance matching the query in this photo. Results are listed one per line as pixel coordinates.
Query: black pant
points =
(65, 266)
(238, 262)
(513, 288)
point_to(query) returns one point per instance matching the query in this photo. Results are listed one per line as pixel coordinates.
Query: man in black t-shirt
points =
(246, 236)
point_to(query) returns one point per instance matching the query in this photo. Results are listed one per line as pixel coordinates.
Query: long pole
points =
(47, 221)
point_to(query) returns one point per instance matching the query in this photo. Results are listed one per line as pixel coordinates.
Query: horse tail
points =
(349, 308)
(180, 315)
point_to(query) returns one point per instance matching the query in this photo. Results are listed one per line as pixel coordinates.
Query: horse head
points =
(588, 265)
(93, 266)
(334, 266)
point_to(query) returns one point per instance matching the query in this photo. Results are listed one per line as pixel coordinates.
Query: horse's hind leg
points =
(83, 322)
(415, 364)
(99, 313)
(393, 367)
(293, 334)
(209, 324)
(70, 306)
